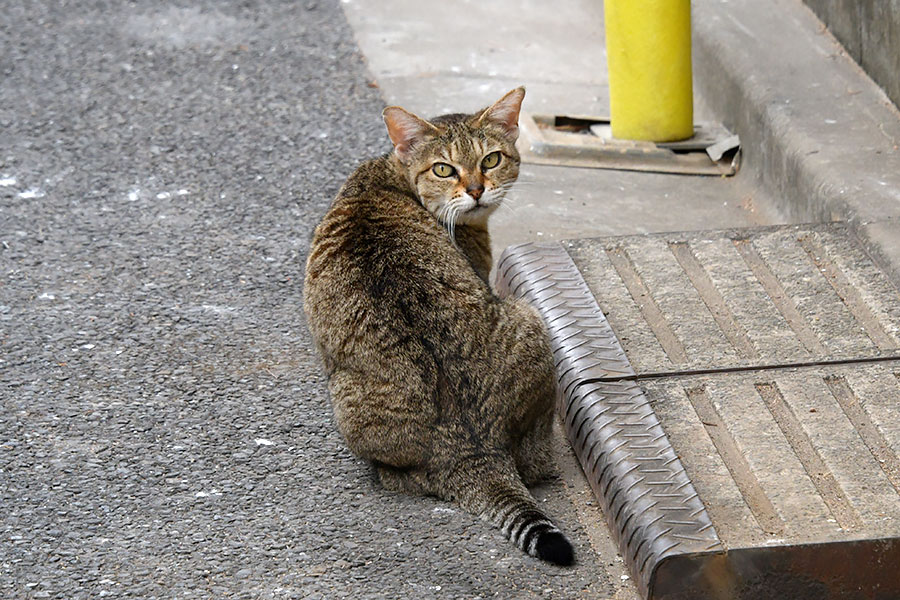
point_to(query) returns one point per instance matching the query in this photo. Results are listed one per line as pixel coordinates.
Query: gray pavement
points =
(164, 429)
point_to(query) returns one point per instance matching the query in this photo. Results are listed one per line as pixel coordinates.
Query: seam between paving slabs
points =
(743, 369)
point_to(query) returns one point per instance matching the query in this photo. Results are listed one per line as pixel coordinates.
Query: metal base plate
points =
(732, 397)
(588, 142)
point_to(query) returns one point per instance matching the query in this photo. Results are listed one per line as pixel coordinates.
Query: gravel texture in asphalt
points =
(165, 430)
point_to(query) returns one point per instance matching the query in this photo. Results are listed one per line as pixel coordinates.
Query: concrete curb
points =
(817, 132)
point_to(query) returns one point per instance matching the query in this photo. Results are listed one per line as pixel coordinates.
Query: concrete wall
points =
(870, 31)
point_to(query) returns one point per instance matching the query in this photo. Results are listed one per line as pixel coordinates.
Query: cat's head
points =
(460, 165)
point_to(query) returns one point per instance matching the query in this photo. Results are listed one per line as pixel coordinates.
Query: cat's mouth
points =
(489, 200)
(477, 210)
(489, 204)
(466, 210)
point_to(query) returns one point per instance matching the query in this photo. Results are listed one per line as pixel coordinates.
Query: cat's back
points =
(381, 269)
(373, 219)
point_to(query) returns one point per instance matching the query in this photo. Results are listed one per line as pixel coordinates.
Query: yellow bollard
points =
(648, 49)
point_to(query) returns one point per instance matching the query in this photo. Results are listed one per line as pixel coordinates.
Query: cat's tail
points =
(498, 496)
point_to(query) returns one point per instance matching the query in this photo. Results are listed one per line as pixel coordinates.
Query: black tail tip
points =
(553, 547)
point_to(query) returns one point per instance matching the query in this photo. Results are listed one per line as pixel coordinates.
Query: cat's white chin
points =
(477, 211)
(477, 215)
(465, 210)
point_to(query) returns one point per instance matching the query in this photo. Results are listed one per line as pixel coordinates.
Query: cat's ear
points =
(505, 113)
(406, 130)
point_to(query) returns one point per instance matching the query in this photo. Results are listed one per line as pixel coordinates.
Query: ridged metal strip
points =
(648, 499)
(545, 275)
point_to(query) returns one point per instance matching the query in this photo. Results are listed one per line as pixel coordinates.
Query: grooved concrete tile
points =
(738, 423)
(733, 299)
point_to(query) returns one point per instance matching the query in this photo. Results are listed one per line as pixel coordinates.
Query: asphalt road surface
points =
(165, 429)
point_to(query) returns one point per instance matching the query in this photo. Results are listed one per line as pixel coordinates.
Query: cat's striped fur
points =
(446, 388)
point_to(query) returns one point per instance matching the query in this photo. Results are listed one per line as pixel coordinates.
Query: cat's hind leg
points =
(380, 421)
(534, 454)
(408, 481)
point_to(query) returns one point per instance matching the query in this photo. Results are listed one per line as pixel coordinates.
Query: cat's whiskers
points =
(454, 215)
(447, 215)
(448, 224)
(520, 182)
(509, 207)
(504, 193)
(511, 197)
(518, 185)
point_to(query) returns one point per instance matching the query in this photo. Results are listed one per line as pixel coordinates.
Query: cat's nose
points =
(475, 191)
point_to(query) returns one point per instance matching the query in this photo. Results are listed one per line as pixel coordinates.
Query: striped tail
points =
(501, 498)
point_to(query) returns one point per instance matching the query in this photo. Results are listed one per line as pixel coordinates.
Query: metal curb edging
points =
(650, 504)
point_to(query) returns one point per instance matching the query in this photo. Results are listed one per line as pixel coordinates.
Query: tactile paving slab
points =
(733, 399)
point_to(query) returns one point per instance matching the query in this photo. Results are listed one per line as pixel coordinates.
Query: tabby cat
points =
(447, 389)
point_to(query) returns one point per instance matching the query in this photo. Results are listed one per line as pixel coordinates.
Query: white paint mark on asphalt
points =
(8, 181)
(163, 196)
(215, 308)
(134, 195)
(262, 442)
(46, 296)
(30, 194)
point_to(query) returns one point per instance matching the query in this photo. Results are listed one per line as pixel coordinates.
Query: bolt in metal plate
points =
(732, 397)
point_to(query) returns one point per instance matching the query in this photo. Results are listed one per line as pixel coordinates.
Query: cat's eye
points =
(443, 170)
(491, 160)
